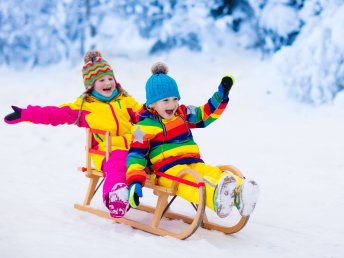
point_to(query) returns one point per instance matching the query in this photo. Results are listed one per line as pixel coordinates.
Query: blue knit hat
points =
(160, 85)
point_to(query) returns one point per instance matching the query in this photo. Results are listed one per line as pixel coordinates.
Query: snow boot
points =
(118, 200)
(224, 195)
(247, 197)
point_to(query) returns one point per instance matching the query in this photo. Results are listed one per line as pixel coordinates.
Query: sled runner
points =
(165, 200)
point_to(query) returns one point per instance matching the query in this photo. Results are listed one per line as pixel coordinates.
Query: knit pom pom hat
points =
(94, 68)
(160, 85)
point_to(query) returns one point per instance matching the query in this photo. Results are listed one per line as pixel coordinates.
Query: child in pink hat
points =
(105, 105)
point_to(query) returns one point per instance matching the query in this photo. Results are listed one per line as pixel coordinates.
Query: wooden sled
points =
(163, 205)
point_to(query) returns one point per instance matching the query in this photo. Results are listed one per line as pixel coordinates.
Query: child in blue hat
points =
(163, 142)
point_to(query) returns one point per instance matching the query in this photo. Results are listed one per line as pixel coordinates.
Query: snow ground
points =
(294, 151)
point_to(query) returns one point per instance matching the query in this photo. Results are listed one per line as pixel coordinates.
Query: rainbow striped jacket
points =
(159, 144)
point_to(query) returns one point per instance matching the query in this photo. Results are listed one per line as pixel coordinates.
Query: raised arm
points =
(199, 117)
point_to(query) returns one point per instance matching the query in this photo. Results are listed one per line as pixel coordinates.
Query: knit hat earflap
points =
(94, 68)
(160, 86)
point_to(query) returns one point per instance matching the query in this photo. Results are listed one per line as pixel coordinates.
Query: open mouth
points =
(169, 111)
(107, 89)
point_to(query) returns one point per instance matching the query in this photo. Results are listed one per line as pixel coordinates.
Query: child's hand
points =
(227, 83)
(135, 191)
(14, 117)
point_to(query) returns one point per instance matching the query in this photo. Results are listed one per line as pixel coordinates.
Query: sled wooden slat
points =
(135, 224)
(126, 221)
(158, 188)
(205, 223)
(163, 193)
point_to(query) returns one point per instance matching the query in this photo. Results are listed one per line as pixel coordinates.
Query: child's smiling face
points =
(166, 107)
(105, 85)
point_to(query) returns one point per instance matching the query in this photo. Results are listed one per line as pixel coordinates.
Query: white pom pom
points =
(159, 67)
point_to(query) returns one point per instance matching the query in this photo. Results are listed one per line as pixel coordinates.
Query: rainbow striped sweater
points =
(160, 144)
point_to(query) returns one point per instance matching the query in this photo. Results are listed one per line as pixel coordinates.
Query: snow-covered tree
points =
(43, 32)
(277, 23)
(313, 67)
(28, 33)
(302, 34)
(172, 24)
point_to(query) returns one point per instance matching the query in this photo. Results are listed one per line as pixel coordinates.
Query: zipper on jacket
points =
(165, 134)
(116, 119)
(117, 123)
(185, 123)
(163, 126)
(125, 142)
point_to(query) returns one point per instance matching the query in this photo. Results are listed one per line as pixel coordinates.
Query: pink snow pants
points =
(114, 171)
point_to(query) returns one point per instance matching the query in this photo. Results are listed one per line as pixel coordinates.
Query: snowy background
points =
(283, 127)
(303, 38)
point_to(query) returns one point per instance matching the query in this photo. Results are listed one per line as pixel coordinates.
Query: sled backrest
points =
(90, 150)
(90, 171)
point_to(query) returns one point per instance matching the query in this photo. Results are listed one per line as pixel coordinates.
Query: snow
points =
(313, 67)
(294, 151)
(280, 18)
